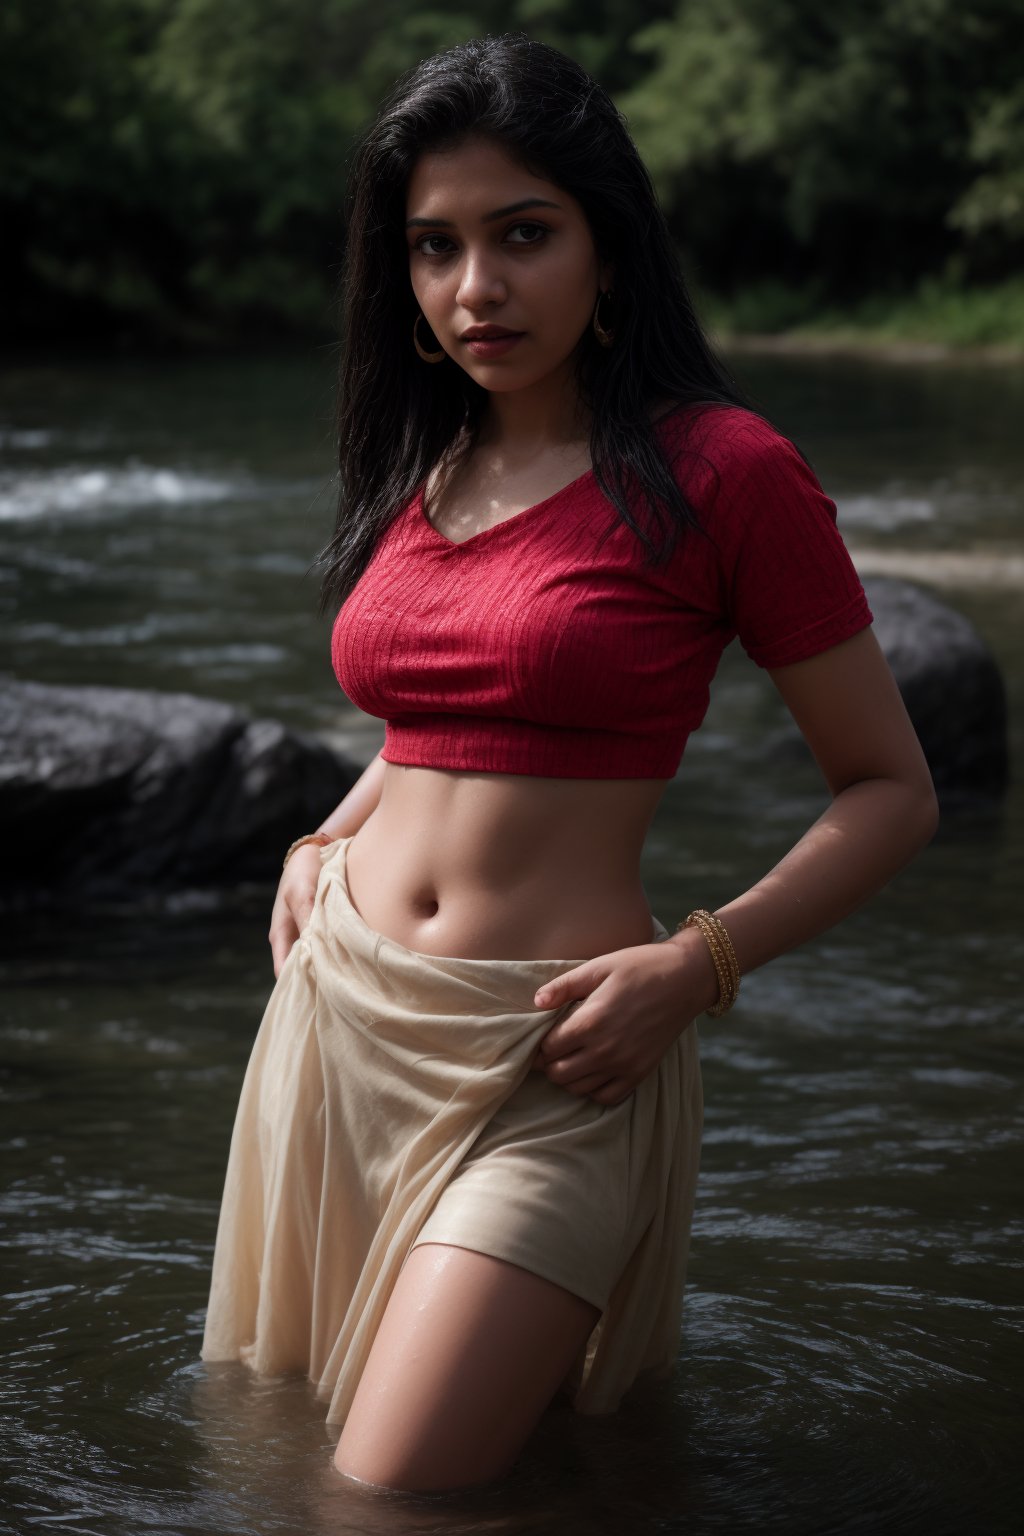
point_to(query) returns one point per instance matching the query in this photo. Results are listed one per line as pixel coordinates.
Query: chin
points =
(498, 380)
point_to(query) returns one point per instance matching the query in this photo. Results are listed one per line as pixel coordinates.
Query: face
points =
(497, 251)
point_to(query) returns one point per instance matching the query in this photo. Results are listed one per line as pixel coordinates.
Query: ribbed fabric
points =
(544, 646)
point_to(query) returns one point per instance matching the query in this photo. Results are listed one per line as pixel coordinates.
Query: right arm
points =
(297, 887)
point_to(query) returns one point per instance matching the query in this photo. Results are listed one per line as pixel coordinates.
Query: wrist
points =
(315, 840)
(701, 976)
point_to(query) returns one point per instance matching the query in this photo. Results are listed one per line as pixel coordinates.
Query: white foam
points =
(993, 567)
(25, 437)
(41, 493)
(884, 510)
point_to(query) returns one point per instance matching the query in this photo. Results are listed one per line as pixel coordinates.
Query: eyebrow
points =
(499, 213)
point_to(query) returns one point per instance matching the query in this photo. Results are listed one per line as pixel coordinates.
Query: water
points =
(851, 1359)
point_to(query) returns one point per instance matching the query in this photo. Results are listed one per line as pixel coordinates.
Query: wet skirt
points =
(388, 1101)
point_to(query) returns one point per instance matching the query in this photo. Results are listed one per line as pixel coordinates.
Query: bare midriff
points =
(504, 866)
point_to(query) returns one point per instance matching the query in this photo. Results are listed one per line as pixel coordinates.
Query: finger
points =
(569, 1034)
(614, 1092)
(302, 911)
(584, 1086)
(570, 1069)
(571, 984)
(282, 937)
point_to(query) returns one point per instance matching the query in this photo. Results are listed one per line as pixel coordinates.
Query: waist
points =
(497, 866)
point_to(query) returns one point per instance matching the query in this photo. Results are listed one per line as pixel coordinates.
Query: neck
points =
(547, 415)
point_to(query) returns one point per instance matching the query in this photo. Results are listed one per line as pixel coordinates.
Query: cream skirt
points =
(388, 1102)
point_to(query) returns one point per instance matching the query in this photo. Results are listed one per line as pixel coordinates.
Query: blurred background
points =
(846, 185)
(174, 168)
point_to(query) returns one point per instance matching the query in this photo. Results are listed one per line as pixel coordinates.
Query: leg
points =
(470, 1352)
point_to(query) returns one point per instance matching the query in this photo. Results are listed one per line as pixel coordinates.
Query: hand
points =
(633, 1004)
(294, 902)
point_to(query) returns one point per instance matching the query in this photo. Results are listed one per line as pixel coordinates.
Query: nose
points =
(480, 282)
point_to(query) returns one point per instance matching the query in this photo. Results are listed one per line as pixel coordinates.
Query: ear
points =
(606, 276)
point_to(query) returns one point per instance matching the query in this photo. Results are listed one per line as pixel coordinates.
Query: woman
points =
(463, 1166)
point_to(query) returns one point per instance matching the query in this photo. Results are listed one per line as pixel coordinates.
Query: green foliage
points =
(853, 134)
(177, 167)
(994, 201)
(938, 311)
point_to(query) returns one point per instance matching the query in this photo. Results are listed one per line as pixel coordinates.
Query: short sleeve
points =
(790, 586)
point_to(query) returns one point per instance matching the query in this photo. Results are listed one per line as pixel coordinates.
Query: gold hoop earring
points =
(605, 336)
(428, 357)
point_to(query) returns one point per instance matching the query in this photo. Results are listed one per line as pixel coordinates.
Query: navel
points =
(426, 904)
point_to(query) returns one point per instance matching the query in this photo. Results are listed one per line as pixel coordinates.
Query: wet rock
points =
(952, 687)
(114, 792)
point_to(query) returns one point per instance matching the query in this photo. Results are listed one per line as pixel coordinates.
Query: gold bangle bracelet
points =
(727, 986)
(323, 838)
(723, 957)
(722, 935)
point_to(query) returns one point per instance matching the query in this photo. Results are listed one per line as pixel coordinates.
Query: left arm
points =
(637, 1001)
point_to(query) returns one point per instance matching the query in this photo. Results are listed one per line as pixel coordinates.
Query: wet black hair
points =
(399, 417)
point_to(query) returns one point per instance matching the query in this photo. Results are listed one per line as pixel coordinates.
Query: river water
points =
(851, 1360)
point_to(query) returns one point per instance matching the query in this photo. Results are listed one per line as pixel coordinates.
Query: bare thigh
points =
(469, 1353)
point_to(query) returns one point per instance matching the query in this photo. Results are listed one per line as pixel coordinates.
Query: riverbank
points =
(936, 321)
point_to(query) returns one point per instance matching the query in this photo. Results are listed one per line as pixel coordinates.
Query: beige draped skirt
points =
(388, 1102)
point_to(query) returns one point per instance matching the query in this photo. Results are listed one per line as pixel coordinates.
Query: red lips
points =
(487, 333)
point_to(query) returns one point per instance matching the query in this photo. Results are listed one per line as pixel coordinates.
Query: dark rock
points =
(113, 792)
(952, 687)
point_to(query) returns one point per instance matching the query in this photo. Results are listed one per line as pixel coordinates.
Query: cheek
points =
(565, 298)
(439, 302)
(568, 282)
(419, 287)
(428, 288)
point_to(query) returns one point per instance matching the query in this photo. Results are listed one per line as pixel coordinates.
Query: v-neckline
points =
(537, 506)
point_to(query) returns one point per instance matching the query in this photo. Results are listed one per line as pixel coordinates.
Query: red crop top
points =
(539, 647)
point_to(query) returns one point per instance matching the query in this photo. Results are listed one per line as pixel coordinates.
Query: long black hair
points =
(398, 416)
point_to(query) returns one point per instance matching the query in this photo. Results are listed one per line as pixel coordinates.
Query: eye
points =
(426, 246)
(535, 233)
(522, 234)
